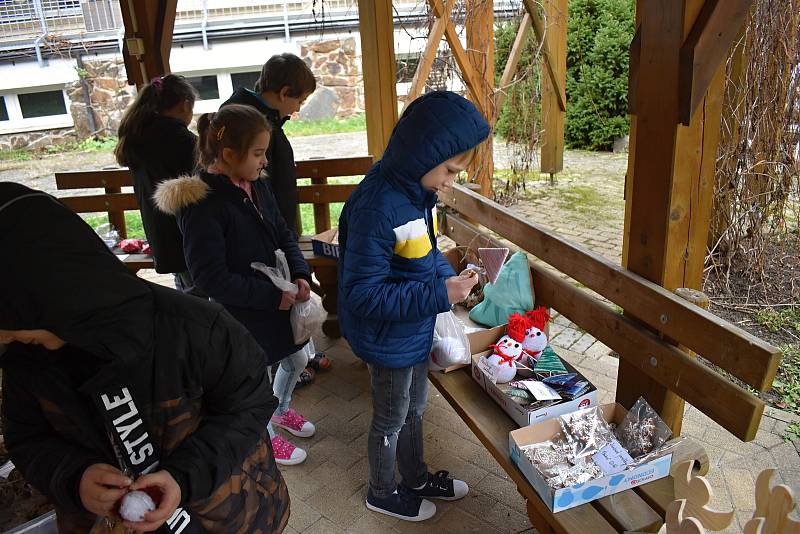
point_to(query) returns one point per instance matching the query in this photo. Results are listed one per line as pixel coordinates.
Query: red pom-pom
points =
(517, 324)
(538, 317)
(131, 246)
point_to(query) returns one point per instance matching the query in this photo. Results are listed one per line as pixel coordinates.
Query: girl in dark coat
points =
(155, 143)
(112, 384)
(229, 219)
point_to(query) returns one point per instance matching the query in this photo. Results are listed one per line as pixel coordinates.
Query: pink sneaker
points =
(294, 423)
(286, 453)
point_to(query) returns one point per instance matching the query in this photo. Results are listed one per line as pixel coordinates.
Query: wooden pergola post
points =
(552, 112)
(480, 47)
(148, 38)
(376, 26)
(677, 54)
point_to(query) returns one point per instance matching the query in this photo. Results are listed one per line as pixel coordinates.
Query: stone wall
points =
(110, 95)
(340, 87)
(37, 140)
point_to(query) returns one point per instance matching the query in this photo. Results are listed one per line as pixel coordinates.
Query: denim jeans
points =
(285, 379)
(399, 397)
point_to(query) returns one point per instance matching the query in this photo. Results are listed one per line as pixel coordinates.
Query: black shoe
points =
(402, 505)
(441, 486)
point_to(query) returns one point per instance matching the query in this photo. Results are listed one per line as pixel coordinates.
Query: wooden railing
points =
(663, 320)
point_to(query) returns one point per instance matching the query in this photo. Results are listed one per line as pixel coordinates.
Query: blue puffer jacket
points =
(391, 275)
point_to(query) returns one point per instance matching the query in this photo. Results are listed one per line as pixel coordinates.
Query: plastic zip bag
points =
(642, 431)
(450, 344)
(306, 317)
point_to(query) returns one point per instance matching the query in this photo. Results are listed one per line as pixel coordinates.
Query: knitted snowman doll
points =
(535, 340)
(506, 352)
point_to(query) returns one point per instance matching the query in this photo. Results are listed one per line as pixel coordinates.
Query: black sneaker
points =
(441, 486)
(402, 505)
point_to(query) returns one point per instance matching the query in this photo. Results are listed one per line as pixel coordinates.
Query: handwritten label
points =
(489, 370)
(541, 391)
(612, 458)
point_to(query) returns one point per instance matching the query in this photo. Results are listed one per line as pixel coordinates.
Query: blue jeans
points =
(399, 398)
(285, 380)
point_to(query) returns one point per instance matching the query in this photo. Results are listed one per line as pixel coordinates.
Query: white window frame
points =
(224, 87)
(16, 123)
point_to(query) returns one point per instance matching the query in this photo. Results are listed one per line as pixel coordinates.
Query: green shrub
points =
(599, 33)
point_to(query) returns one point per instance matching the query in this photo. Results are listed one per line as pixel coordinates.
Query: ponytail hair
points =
(286, 70)
(234, 126)
(160, 94)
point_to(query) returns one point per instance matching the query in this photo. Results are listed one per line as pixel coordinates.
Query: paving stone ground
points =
(585, 206)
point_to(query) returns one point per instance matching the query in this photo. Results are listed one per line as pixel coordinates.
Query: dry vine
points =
(757, 190)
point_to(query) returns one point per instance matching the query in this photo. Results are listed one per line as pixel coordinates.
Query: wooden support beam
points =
(550, 62)
(376, 25)
(428, 55)
(149, 25)
(480, 43)
(553, 113)
(716, 28)
(472, 79)
(670, 175)
(511, 64)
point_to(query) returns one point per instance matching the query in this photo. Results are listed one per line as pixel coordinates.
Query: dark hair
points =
(233, 126)
(286, 70)
(158, 95)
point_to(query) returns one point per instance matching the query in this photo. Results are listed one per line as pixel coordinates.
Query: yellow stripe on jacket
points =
(411, 240)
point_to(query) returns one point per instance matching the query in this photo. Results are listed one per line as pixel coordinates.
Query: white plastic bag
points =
(450, 343)
(306, 317)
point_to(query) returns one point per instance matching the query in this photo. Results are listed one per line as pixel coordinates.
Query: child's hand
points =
(100, 488)
(458, 287)
(170, 499)
(303, 290)
(287, 299)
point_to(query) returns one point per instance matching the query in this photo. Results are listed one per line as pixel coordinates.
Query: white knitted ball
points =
(134, 505)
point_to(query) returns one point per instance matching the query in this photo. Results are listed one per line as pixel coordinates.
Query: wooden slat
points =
(322, 210)
(98, 203)
(316, 194)
(628, 512)
(550, 62)
(725, 402)
(491, 425)
(733, 349)
(314, 168)
(660, 493)
(707, 45)
(512, 62)
(480, 52)
(429, 54)
(94, 178)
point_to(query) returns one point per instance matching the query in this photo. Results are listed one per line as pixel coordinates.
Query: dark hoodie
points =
(195, 376)
(391, 275)
(281, 173)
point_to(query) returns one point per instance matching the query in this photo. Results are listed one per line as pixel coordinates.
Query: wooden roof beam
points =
(149, 25)
(552, 72)
(511, 64)
(714, 31)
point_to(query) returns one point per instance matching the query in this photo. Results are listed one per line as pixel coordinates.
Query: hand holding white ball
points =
(134, 505)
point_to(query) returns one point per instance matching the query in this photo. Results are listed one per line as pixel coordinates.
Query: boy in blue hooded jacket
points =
(393, 281)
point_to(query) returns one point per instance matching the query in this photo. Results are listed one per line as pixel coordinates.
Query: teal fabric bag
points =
(512, 293)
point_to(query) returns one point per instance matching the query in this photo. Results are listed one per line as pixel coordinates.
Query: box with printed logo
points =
(480, 345)
(565, 498)
(326, 243)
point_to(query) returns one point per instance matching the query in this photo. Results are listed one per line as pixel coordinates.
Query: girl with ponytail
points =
(230, 219)
(156, 144)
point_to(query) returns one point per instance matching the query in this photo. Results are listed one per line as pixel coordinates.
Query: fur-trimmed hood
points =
(174, 195)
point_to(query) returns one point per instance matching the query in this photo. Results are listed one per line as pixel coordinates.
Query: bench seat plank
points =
(491, 425)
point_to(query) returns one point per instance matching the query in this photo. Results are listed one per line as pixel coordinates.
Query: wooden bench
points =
(319, 193)
(649, 341)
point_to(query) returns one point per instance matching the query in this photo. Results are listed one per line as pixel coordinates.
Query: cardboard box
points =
(565, 498)
(326, 243)
(479, 346)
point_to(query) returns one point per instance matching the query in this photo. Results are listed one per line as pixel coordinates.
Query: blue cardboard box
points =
(326, 243)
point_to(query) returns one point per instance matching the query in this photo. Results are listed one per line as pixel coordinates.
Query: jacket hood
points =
(172, 196)
(248, 97)
(58, 275)
(433, 129)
